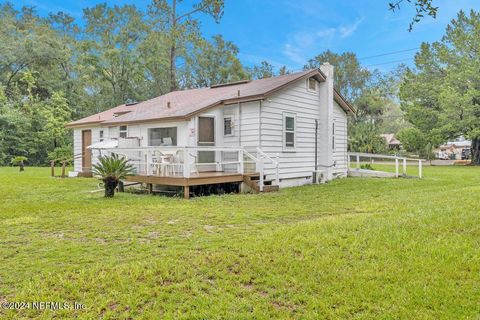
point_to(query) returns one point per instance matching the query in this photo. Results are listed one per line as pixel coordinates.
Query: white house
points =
(290, 128)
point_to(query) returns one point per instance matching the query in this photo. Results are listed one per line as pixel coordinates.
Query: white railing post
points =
(241, 158)
(396, 167)
(358, 162)
(405, 167)
(149, 162)
(420, 169)
(260, 164)
(277, 168)
(186, 163)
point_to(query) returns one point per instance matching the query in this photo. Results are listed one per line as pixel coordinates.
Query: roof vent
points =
(229, 84)
(130, 102)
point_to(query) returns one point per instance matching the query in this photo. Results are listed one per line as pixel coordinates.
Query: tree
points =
(212, 63)
(110, 59)
(262, 71)
(442, 96)
(179, 27)
(422, 7)
(365, 137)
(350, 77)
(56, 113)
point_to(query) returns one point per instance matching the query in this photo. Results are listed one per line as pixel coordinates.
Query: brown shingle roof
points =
(183, 104)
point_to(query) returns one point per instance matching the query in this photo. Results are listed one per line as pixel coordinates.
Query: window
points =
(312, 84)
(101, 135)
(206, 131)
(333, 135)
(123, 132)
(162, 136)
(227, 126)
(289, 131)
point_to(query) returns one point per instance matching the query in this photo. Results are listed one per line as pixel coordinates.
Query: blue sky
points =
(289, 32)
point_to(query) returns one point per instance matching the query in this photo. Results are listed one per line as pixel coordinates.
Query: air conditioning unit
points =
(319, 176)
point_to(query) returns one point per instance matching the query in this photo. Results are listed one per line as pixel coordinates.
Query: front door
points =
(206, 138)
(86, 153)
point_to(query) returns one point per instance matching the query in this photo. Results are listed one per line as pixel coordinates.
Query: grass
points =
(352, 248)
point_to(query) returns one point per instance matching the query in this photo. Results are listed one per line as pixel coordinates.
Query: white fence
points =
(357, 156)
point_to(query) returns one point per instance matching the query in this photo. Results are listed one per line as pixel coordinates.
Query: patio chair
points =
(180, 159)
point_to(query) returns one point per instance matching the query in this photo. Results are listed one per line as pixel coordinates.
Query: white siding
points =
(250, 125)
(299, 162)
(297, 165)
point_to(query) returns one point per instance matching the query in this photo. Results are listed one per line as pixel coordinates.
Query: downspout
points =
(260, 126)
(239, 124)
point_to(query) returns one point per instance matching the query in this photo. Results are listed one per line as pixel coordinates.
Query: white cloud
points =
(346, 31)
(300, 45)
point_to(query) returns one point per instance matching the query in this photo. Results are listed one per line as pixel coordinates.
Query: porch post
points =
(261, 165)
(240, 161)
(186, 163)
(396, 167)
(277, 174)
(149, 162)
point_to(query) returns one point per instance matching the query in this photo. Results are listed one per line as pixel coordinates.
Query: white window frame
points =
(308, 85)
(232, 125)
(284, 131)
(120, 131)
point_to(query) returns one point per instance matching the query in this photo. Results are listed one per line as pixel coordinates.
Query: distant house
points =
(392, 141)
(454, 150)
(289, 130)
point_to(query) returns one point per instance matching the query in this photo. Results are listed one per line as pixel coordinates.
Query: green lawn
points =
(352, 248)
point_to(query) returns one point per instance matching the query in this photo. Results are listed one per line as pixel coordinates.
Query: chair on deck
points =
(163, 163)
(180, 159)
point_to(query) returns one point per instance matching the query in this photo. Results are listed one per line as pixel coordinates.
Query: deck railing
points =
(397, 159)
(182, 161)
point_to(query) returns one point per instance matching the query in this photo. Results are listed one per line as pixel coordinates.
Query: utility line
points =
(390, 62)
(388, 53)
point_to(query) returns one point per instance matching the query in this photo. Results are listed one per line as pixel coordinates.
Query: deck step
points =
(253, 181)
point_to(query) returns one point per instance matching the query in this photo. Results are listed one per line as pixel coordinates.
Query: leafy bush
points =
(19, 161)
(112, 169)
(365, 137)
(366, 166)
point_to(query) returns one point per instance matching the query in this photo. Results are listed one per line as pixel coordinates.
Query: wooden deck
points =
(202, 178)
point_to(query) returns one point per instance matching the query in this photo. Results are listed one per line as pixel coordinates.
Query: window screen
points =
(123, 132)
(289, 132)
(227, 126)
(163, 136)
(206, 130)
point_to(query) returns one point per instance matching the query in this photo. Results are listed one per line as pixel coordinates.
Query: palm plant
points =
(20, 161)
(112, 169)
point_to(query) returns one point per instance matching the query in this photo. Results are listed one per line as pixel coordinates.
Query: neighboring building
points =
(392, 141)
(269, 121)
(454, 150)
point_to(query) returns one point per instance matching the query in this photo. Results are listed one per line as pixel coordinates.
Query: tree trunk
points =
(173, 78)
(22, 166)
(173, 48)
(475, 154)
(110, 185)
